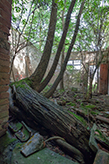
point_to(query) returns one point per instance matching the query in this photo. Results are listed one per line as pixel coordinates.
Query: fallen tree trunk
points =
(53, 117)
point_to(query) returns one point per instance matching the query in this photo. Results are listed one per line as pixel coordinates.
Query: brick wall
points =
(5, 23)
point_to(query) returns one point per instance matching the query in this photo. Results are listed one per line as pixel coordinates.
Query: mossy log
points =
(54, 118)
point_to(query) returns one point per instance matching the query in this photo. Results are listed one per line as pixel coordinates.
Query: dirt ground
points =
(93, 111)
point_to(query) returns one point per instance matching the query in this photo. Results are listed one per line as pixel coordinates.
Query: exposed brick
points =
(2, 21)
(5, 8)
(5, 15)
(4, 113)
(4, 102)
(3, 35)
(4, 69)
(4, 88)
(4, 56)
(4, 28)
(4, 95)
(2, 132)
(5, 23)
(4, 44)
(7, 3)
(4, 107)
(4, 120)
(4, 81)
(4, 63)
(4, 51)
(10, 1)
(4, 76)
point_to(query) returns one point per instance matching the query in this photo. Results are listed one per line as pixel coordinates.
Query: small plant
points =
(74, 89)
(46, 88)
(90, 106)
(75, 96)
(61, 90)
(78, 100)
(71, 104)
(70, 68)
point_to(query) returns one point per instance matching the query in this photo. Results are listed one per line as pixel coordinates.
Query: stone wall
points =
(5, 23)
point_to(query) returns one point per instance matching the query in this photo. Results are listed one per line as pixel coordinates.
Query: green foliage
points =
(94, 26)
(70, 68)
(94, 20)
(29, 18)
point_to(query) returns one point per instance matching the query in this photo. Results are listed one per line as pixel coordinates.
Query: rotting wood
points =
(103, 119)
(72, 151)
(55, 118)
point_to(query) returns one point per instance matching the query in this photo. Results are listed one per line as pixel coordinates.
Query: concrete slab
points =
(44, 156)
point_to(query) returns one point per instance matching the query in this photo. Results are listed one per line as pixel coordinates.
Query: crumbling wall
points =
(5, 23)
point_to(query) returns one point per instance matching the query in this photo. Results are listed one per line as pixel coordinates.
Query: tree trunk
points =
(61, 43)
(62, 61)
(63, 50)
(53, 87)
(38, 74)
(54, 118)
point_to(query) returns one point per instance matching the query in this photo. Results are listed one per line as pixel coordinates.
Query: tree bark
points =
(54, 118)
(57, 56)
(38, 74)
(63, 50)
(53, 87)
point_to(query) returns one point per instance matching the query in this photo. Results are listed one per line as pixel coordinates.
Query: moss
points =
(22, 82)
(94, 112)
(89, 109)
(71, 104)
(91, 106)
(61, 91)
(23, 134)
(15, 126)
(79, 118)
(5, 141)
